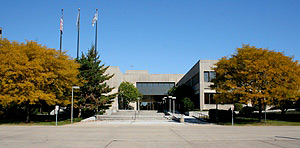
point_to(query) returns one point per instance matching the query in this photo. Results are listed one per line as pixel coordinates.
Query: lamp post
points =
(138, 105)
(73, 87)
(265, 111)
(232, 110)
(174, 98)
(56, 110)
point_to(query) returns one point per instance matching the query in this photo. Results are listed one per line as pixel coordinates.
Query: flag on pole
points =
(61, 23)
(78, 28)
(61, 28)
(78, 18)
(95, 18)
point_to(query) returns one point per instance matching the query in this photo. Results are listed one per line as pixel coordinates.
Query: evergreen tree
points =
(95, 93)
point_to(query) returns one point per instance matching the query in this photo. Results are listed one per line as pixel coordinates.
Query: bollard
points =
(182, 119)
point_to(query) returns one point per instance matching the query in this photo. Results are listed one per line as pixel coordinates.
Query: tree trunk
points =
(260, 110)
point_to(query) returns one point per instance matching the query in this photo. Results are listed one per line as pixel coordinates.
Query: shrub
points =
(247, 111)
(187, 104)
(86, 112)
(238, 107)
(223, 115)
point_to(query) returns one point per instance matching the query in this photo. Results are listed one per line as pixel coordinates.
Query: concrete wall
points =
(140, 76)
(115, 82)
(202, 87)
(134, 76)
(205, 65)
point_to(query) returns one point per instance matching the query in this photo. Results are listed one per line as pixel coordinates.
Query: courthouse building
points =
(154, 87)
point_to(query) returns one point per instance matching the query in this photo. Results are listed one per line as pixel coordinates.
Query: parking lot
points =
(149, 135)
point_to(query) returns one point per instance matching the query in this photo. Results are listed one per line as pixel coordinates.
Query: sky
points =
(161, 36)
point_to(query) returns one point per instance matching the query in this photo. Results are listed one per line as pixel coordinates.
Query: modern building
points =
(154, 87)
(199, 78)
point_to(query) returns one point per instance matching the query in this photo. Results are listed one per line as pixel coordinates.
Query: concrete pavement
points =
(150, 135)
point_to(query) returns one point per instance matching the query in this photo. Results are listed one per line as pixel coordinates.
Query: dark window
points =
(154, 88)
(206, 76)
(212, 75)
(188, 83)
(209, 98)
(209, 75)
(195, 79)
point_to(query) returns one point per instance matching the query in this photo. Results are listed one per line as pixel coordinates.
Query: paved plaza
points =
(173, 135)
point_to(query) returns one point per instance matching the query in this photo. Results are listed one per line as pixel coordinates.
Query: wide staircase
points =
(131, 115)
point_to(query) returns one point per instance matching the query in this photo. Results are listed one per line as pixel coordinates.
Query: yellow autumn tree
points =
(32, 74)
(257, 75)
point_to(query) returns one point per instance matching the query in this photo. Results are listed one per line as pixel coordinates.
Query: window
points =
(154, 88)
(209, 75)
(206, 76)
(209, 98)
(195, 79)
(212, 75)
(188, 83)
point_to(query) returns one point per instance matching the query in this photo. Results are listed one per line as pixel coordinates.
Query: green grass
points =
(42, 123)
(242, 121)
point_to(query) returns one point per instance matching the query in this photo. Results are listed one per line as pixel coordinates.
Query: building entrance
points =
(151, 102)
(153, 92)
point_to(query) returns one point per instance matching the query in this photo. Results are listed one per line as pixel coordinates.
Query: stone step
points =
(99, 117)
(133, 115)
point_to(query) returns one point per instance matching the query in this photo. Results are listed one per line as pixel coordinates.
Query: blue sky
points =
(162, 36)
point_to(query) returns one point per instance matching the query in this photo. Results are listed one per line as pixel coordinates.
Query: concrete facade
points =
(195, 78)
(134, 76)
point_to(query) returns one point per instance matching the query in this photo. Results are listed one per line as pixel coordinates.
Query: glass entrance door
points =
(153, 102)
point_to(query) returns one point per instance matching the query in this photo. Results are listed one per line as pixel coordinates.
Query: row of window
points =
(209, 99)
(154, 88)
(208, 76)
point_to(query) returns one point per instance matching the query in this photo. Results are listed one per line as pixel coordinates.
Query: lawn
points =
(43, 123)
(243, 121)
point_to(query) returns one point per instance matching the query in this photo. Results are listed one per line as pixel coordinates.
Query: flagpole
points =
(78, 21)
(96, 33)
(61, 31)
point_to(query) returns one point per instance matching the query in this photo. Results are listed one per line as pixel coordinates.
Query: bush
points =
(86, 112)
(247, 111)
(187, 104)
(223, 115)
(238, 107)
